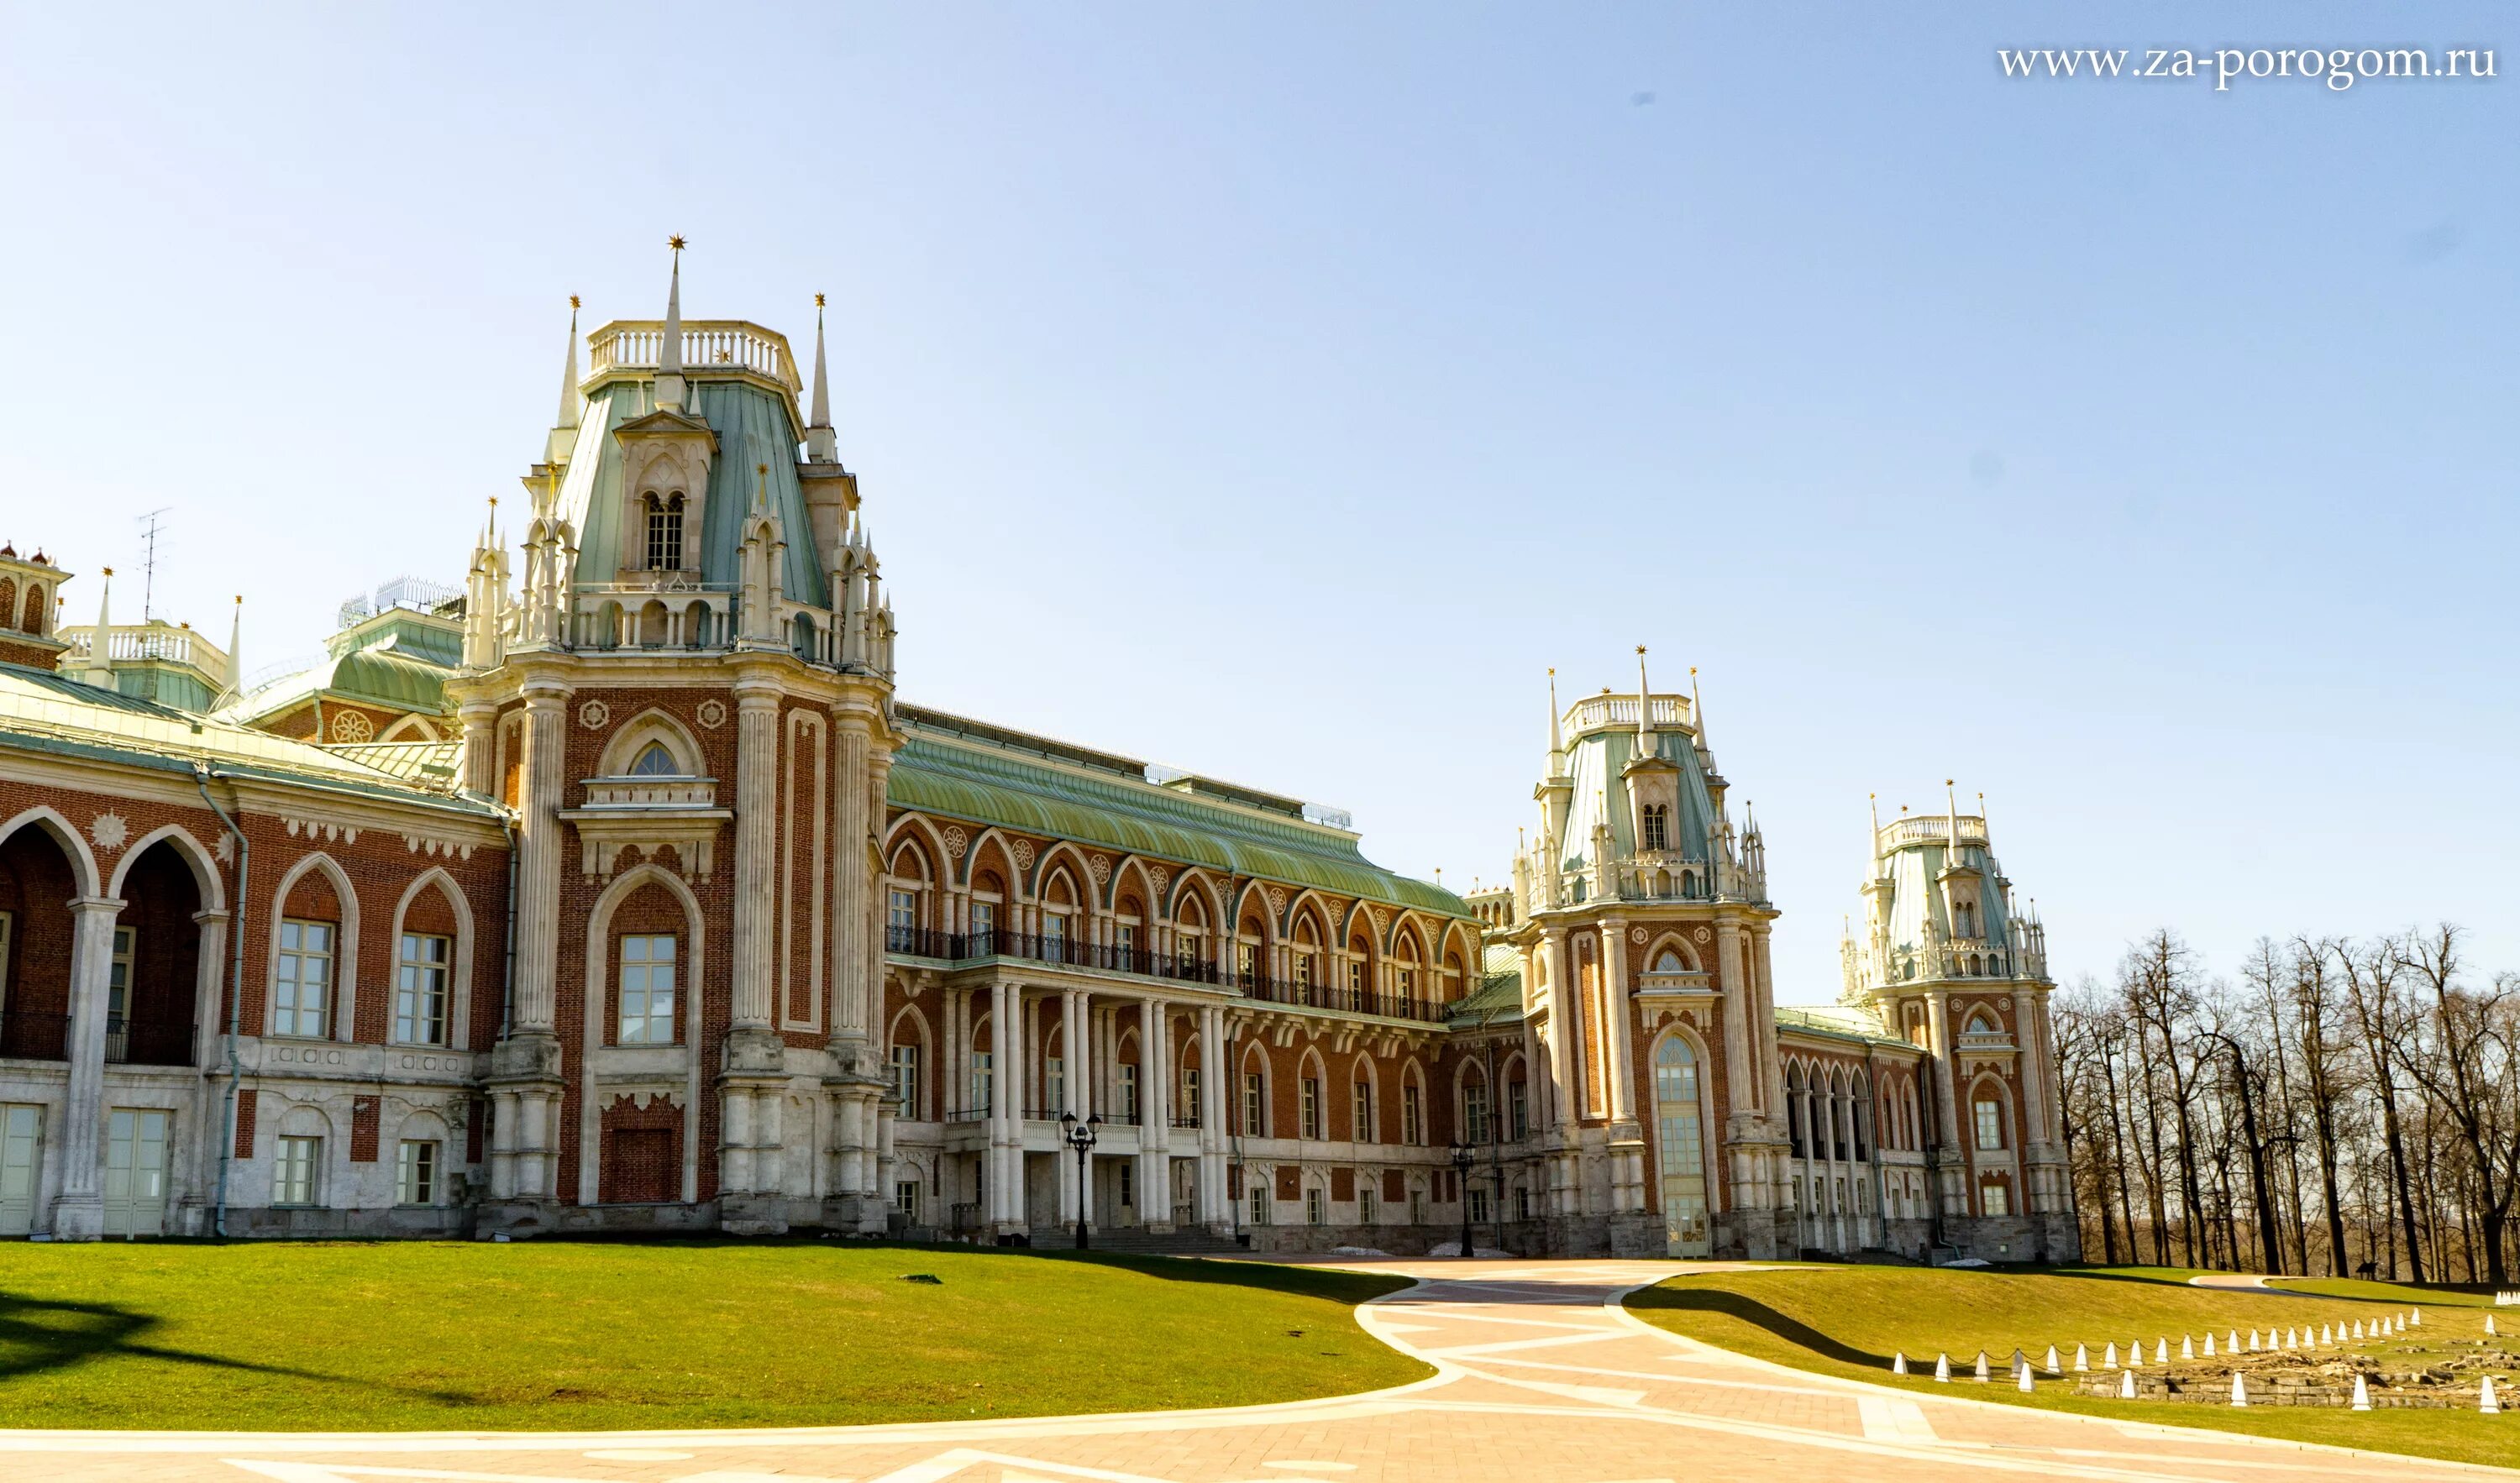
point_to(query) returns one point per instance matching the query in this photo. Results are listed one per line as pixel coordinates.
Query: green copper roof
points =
(988, 785)
(753, 428)
(380, 674)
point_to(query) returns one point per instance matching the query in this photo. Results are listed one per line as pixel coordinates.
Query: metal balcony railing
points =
(1110, 958)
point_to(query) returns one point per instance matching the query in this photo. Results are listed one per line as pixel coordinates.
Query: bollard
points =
(1943, 1367)
(2485, 1400)
(2125, 1387)
(2209, 1346)
(1899, 1362)
(2357, 1329)
(2081, 1360)
(2253, 1341)
(1980, 1376)
(2239, 1390)
(2187, 1345)
(2024, 1381)
(2418, 1318)
(2161, 1350)
(2053, 1366)
(2324, 1337)
(2489, 1327)
(2110, 1360)
(2361, 1393)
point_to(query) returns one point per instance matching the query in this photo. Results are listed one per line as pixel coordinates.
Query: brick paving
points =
(1543, 1378)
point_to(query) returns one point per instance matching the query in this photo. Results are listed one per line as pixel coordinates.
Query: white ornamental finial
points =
(568, 373)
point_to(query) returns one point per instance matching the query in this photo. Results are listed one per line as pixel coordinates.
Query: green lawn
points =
(1848, 1321)
(559, 1336)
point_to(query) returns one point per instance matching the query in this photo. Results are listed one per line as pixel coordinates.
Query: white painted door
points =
(22, 1166)
(135, 1172)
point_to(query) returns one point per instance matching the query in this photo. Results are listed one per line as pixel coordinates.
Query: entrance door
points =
(135, 1172)
(1682, 1136)
(22, 1165)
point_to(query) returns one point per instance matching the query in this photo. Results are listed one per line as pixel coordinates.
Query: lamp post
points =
(1463, 1156)
(1081, 1136)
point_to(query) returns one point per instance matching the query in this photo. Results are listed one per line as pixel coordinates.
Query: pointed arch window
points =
(664, 532)
(1657, 820)
(654, 761)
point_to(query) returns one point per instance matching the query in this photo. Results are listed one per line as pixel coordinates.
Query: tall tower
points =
(688, 701)
(1950, 963)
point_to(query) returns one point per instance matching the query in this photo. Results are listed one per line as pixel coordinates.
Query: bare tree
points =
(2370, 976)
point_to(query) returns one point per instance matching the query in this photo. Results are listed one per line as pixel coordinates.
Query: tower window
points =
(654, 762)
(1657, 820)
(666, 532)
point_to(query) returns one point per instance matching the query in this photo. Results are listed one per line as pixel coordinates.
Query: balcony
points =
(1069, 952)
(639, 344)
(147, 1042)
(33, 1035)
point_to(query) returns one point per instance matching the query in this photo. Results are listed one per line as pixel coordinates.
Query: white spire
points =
(568, 373)
(1644, 706)
(1952, 799)
(235, 649)
(100, 653)
(822, 445)
(669, 355)
(1556, 739)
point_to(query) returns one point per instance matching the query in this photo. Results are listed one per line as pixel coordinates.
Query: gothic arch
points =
(344, 1006)
(1675, 943)
(83, 867)
(1251, 903)
(1211, 894)
(911, 1016)
(411, 728)
(1149, 900)
(655, 724)
(458, 972)
(205, 870)
(599, 937)
(993, 839)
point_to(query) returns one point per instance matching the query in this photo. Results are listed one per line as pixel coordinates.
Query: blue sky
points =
(1277, 391)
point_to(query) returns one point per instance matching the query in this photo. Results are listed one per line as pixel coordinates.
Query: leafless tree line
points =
(2347, 1106)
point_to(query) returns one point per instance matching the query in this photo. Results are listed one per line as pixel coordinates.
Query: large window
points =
(1308, 1094)
(1681, 1148)
(420, 990)
(1657, 821)
(1193, 1111)
(905, 1081)
(903, 915)
(1259, 1202)
(118, 983)
(664, 532)
(1412, 1126)
(1366, 1212)
(416, 1172)
(1128, 1092)
(1304, 970)
(292, 1180)
(983, 1083)
(1053, 1083)
(905, 1195)
(302, 978)
(1994, 1198)
(1054, 935)
(1316, 1208)
(1474, 1112)
(1518, 1102)
(1361, 1112)
(647, 990)
(1255, 1106)
(984, 928)
(1246, 961)
(1989, 1123)
(1480, 1214)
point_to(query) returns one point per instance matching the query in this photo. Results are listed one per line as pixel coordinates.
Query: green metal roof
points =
(380, 674)
(989, 785)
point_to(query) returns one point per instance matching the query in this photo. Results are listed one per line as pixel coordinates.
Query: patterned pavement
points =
(1543, 1378)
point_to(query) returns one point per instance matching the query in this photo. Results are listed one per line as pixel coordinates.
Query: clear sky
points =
(1277, 390)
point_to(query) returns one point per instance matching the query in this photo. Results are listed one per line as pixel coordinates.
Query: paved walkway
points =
(1543, 1378)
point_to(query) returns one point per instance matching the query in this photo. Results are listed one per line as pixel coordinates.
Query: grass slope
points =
(1848, 1321)
(559, 1336)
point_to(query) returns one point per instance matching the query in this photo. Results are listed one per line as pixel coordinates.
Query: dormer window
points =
(1657, 818)
(664, 532)
(1964, 919)
(654, 762)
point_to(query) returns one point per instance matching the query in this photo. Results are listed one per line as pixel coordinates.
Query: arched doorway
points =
(1682, 1141)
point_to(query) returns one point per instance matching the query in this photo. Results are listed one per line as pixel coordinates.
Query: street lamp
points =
(1081, 1136)
(1463, 1156)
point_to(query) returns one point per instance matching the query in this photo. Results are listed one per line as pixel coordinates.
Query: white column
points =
(1614, 1008)
(1155, 1129)
(1071, 1093)
(540, 843)
(1001, 1052)
(1763, 1026)
(1213, 1074)
(1566, 1101)
(78, 1210)
(757, 802)
(1741, 1071)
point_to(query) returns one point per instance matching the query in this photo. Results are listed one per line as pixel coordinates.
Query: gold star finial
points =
(675, 242)
(572, 301)
(818, 300)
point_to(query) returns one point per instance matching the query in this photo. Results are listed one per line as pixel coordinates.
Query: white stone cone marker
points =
(2239, 1390)
(2326, 1337)
(2161, 1350)
(2082, 1359)
(2231, 1341)
(2109, 1358)
(2488, 1325)
(1943, 1367)
(1899, 1362)
(2253, 1341)
(1980, 1376)
(2053, 1366)
(2418, 1318)
(2361, 1393)
(2126, 1386)
(2357, 1329)
(2485, 1400)
(2020, 1361)
(2209, 1346)
(2187, 1345)
(2023, 1381)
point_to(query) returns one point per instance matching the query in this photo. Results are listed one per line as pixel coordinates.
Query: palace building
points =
(618, 890)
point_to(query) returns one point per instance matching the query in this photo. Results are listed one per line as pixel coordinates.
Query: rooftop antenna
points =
(149, 562)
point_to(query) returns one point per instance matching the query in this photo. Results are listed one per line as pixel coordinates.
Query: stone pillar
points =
(1951, 1171)
(1155, 1119)
(857, 959)
(1763, 1025)
(1214, 1204)
(1615, 1003)
(481, 722)
(754, 1074)
(78, 1210)
(1741, 1070)
(210, 1013)
(1004, 1042)
(1071, 1093)
(524, 1075)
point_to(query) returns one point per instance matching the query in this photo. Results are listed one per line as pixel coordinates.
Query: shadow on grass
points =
(1756, 1314)
(40, 1335)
